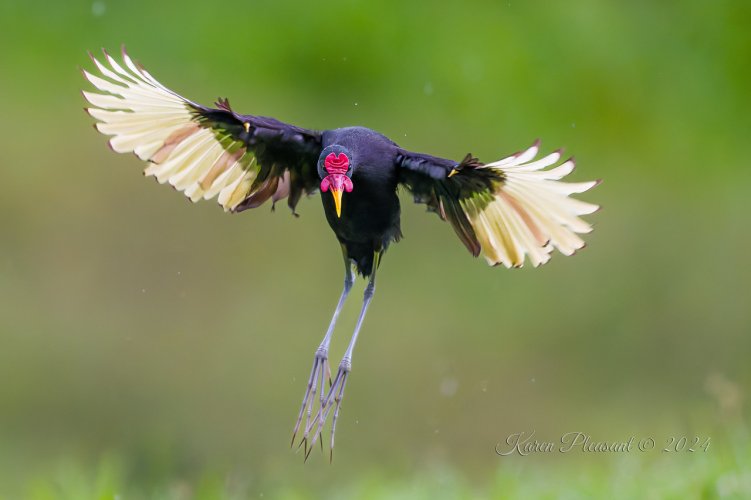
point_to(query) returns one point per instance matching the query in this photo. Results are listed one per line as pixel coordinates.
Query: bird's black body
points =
(370, 215)
(506, 210)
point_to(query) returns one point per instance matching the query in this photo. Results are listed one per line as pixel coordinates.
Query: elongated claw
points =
(338, 399)
(335, 395)
(320, 367)
(320, 417)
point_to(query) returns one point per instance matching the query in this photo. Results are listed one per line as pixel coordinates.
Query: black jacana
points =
(506, 210)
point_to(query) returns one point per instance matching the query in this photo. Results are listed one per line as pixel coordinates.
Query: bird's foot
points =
(315, 383)
(333, 400)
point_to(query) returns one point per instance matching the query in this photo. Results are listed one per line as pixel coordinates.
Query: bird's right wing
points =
(243, 160)
(504, 210)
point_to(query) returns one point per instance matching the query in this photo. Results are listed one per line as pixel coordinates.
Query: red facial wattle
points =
(336, 182)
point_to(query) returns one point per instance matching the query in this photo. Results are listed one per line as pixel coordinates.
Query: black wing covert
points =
(427, 178)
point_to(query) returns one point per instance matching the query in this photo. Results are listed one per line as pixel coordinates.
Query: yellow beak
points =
(337, 194)
(453, 172)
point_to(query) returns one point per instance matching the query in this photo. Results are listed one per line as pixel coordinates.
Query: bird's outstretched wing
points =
(504, 210)
(203, 152)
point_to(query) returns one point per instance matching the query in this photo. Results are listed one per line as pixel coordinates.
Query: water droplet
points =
(449, 385)
(428, 88)
(356, 104)
(98, 9)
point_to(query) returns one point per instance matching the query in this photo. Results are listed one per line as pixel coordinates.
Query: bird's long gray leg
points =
(320, 360)
(336, 392)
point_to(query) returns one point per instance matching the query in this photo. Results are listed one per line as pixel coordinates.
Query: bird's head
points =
(335, 170)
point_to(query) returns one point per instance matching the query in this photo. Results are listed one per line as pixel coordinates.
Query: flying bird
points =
(509, 211)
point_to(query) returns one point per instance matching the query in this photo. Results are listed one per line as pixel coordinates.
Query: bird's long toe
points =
(333, 400)
(338, 400)
(316, 381)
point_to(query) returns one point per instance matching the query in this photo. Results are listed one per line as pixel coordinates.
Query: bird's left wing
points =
(504, 210)
(204, 152)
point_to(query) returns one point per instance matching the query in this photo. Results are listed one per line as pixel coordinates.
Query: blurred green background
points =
(154, 348)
